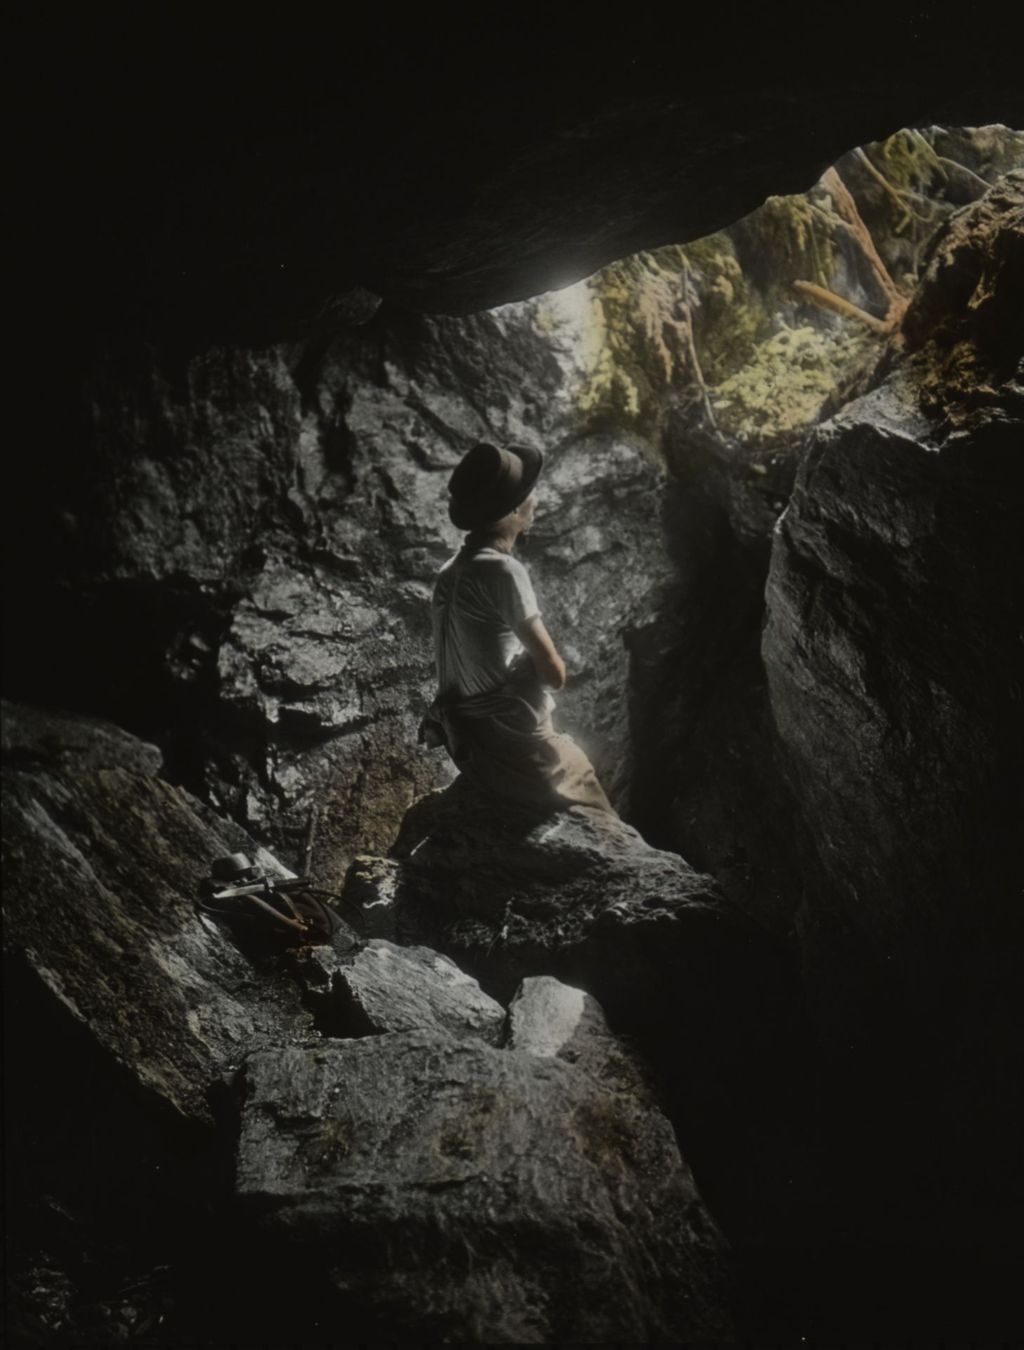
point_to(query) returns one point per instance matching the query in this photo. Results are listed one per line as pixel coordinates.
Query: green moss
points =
(730, 317)
(646, 333)
(612, 325)
(648, 302)
(794, 238)
(782, 388)
(907, 159)
(652, 329)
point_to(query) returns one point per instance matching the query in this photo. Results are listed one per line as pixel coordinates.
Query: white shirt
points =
(479, 599)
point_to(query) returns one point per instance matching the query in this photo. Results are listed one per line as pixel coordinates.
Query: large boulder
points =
(893, 658)
(574, 893)
(890, 644)
(102, 863)
(452, 1190)
(704, 992)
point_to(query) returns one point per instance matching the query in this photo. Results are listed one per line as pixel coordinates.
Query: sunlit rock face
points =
(721, 356)
(382, 988)
(280, 619)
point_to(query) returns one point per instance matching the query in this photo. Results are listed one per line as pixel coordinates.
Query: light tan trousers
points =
(503, 745)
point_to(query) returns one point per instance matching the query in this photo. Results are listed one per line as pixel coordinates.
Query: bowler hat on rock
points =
(490, 482)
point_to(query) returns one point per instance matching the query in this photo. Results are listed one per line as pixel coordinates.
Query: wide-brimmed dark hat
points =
(490, 482)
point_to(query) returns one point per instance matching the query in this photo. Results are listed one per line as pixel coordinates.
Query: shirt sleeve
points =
(513, 593)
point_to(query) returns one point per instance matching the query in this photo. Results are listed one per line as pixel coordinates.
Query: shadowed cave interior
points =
(739, 1072)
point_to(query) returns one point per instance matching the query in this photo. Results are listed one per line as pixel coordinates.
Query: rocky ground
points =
(425, 1160)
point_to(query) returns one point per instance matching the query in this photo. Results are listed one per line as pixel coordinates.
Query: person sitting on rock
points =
(496, 662)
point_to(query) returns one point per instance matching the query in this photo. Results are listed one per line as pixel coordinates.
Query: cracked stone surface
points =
(382, 988)
(495, 1194)
(102, 860)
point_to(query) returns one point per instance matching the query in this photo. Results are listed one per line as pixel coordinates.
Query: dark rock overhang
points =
(240, 182)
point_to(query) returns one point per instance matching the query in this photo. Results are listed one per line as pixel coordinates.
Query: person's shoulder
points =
(496, 567)
(445, 574)
(497, 559)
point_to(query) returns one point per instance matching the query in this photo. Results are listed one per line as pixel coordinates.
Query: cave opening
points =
(233, 550)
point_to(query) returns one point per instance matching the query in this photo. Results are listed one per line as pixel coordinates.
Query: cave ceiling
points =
(221, 182)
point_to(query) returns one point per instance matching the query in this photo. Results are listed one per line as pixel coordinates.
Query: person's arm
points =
(547, 663)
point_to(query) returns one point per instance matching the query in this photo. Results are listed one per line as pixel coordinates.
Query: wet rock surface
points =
(535, 1192)
(483, 1194)
(892, 602)
(280, 619)
(706, 994)
(267, 524)
(102, 862)
(123, 1012)
(35, 740)
(517, 890)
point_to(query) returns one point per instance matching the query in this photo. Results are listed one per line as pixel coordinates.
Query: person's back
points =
(481, 597)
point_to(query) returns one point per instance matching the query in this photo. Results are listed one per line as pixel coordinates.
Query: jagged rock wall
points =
(893, 601)
(279, 619)
(893, 659)
(698, 985)
(239, 557)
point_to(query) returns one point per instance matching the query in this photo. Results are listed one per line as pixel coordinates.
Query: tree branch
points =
(847, 208)
(829, 300)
